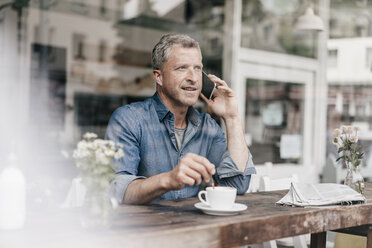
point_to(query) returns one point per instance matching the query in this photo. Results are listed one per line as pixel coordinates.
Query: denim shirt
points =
(146, 131)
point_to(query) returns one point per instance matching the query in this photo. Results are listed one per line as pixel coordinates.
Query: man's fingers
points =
(202, 96)
(185, 179)
(199, 169)
(192, 168)
(224, 88)
(203, 161)
(194, 175)
(217, 80)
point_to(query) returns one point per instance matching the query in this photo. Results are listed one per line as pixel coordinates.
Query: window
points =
(274, 120)
(102, 8)
(78, 46)
(369, 58)
(268, 25)
(102, 51)
(332, 58)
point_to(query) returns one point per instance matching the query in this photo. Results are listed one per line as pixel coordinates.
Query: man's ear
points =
(158, 77)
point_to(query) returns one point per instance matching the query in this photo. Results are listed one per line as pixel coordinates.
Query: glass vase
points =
(353, 178)
(96, 211)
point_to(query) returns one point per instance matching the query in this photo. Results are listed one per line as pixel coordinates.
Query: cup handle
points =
(203, 192)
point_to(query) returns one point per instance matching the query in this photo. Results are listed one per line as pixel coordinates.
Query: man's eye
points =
(181, 68)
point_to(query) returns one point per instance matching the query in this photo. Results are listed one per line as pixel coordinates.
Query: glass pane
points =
(67, 65)
(274, 120)
(349, 72)
(269, 25)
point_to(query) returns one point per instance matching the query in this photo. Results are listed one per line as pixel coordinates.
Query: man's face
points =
(180, 80)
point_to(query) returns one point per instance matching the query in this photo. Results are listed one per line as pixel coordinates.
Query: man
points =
(170, 148)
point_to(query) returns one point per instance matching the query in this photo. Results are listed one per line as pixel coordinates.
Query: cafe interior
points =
(300, 69)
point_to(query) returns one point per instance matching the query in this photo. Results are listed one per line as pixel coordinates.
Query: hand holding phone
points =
(208, 86)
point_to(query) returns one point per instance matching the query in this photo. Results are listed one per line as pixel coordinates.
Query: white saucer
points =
(238, 207)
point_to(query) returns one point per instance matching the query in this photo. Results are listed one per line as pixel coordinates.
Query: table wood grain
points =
(178, 223)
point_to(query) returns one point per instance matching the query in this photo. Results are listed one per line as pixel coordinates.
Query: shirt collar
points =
(162, 110)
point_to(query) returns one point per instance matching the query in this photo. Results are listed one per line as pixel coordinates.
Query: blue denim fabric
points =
(146, 130)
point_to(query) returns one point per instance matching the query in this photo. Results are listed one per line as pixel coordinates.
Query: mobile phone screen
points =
(208, 86)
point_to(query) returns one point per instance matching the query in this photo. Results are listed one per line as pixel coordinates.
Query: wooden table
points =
(179, 224)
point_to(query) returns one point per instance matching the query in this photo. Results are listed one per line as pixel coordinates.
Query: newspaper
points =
(322, 194)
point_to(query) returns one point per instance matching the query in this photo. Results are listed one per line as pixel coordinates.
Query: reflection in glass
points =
(350, 19)
(274, 120)
(350, 79)
(74, 62)
(269, 25)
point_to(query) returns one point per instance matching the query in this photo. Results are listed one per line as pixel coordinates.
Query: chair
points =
(347, 240)
(265, 183)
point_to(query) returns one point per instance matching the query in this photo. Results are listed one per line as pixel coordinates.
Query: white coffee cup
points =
(218, 197)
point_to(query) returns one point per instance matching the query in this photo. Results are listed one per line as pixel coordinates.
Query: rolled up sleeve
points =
(123, 129)
(120, 185)
(228, 168)
(227, 172)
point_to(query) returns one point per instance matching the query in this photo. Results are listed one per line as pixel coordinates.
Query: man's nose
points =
(193, 75)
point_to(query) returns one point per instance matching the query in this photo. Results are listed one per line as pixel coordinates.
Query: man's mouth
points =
(189, 88)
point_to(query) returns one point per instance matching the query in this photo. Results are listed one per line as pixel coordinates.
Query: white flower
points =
(81, 151)
(99, 143)
(94, 157)
(335, 141)
(111, 143)
(90, 136)
(102, 158)
(344, 129)
(350, 129)
(353, 138)
(337, 132)
(109, 153)
(347, 144)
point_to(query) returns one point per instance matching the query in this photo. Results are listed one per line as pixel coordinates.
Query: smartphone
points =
(208, 86)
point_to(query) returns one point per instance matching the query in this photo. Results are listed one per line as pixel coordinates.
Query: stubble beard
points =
(177, 98)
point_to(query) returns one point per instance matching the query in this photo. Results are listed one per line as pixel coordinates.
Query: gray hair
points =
(161, 51)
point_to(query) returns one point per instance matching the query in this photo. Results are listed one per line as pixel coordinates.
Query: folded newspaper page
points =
(321, 194)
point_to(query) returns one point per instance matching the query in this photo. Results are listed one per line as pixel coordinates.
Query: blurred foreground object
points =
(95, 158)
(12, 196)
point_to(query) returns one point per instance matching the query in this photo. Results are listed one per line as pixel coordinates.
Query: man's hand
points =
(225, 105)
(191, 170)
(224, 102)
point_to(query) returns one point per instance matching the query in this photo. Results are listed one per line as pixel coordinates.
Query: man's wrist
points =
(165, 181)
(231, 118)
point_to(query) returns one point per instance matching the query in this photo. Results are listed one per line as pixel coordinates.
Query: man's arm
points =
(133, 189)
(224, 104)
(191, 170)
(142, 191)
(236, 143)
